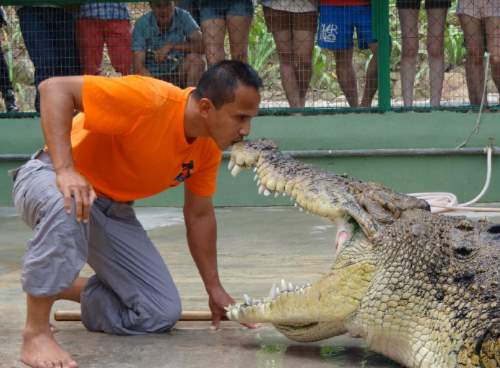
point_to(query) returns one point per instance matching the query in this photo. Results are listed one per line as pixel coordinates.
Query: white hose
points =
(444, 202)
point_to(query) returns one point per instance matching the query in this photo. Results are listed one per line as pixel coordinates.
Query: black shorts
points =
(429, 4)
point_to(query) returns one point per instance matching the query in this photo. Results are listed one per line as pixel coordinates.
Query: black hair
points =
(220, 81)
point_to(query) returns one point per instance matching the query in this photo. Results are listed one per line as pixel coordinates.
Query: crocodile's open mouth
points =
(291, 307)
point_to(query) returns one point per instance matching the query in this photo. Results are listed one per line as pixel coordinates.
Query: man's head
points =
(163, 11)
(228, 97)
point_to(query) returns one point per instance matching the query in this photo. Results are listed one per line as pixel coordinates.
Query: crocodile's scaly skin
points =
(421, 288)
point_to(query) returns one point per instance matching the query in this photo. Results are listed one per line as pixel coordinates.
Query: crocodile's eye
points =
(495, 229)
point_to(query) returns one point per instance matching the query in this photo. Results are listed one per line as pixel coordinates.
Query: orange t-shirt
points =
(130, 144)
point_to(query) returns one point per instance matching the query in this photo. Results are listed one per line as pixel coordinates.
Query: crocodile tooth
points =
(254, 169)
(230, 164)
(261, 189)
(248, 300)
(272, 292)
(267, 193)
(235, 170)
(255, 178)
(262, 308)
(277, 291)
(258, 182)
(234, 313)
(276, 194)
(283, 285)
(290, 286)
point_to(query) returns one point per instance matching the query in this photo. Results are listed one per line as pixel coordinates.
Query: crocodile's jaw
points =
(315, 312)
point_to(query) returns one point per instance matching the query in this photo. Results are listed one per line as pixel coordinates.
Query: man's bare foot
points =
(40, 350)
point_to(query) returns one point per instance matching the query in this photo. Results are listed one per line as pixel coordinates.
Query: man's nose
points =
(245, 130)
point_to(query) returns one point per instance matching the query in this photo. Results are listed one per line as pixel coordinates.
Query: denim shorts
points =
(218, 9)
(337, 25)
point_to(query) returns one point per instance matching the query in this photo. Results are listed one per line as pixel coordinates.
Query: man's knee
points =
(161, 316)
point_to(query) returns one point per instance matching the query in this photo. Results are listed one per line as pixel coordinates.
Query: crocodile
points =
(419, 287)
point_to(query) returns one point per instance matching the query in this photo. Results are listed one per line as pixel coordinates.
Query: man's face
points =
(232, 121)
(163, 11)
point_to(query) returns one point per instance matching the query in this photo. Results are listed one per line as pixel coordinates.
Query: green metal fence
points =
(324, 91)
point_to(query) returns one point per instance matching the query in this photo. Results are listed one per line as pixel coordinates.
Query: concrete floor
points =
(257, 246)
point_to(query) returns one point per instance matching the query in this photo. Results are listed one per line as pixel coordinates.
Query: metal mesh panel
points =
(310, 54)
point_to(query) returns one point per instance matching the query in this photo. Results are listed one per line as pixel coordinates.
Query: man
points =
(135, 137)
(167, 45)
(337, 21)
(49, 33)
(104, 23)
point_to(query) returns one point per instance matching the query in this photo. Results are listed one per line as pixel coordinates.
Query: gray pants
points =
(131, 292)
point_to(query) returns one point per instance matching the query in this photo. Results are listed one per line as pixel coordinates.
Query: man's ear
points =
(205, 106)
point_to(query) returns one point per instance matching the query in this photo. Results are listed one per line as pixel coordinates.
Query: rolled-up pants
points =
(132, 291)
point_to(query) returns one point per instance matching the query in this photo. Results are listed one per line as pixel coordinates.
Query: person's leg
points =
(214, 31)
(239, 28)
(278, 23)
(303, 45)
(191, 69)
(6, 88)
(132, 291)
(474, 66)
(436, 20)
(118, 39)
(346, 75)
(90, 34)
(408, 19)
(38, 40)
(492, 25)
(54, 256)
(371, 83)
(65, 42)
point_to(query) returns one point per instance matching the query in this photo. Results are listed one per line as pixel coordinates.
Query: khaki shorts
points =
(479, 8)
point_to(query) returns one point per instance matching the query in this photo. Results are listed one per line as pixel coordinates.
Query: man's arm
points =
(201, 227)
(139, 61)
(194, 44)
(59, 98)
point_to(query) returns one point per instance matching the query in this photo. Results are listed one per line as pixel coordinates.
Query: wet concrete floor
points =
(257, 246)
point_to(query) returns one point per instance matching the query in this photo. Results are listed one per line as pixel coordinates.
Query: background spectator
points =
(338, 20)
(192, 6)
(8, 95)
(49, 36)
(293, 24)
(436, 19)
(479, 18)
(104, 23)
(217, 16)
(167, 44)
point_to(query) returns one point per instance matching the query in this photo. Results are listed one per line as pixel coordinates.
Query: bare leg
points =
(214, 31)
(39, 348)
(436, 19)
(371, 84)
(409, 33)
(303, 43)
(493, 40)
(239, 29)
(346, 75)
(474, 66)
(289, 81)
(191, 69)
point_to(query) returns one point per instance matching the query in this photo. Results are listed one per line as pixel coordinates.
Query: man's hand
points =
(217, 300)
(162, 53)
(73, 185)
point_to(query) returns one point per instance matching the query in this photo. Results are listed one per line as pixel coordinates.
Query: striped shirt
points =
(104, 11)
